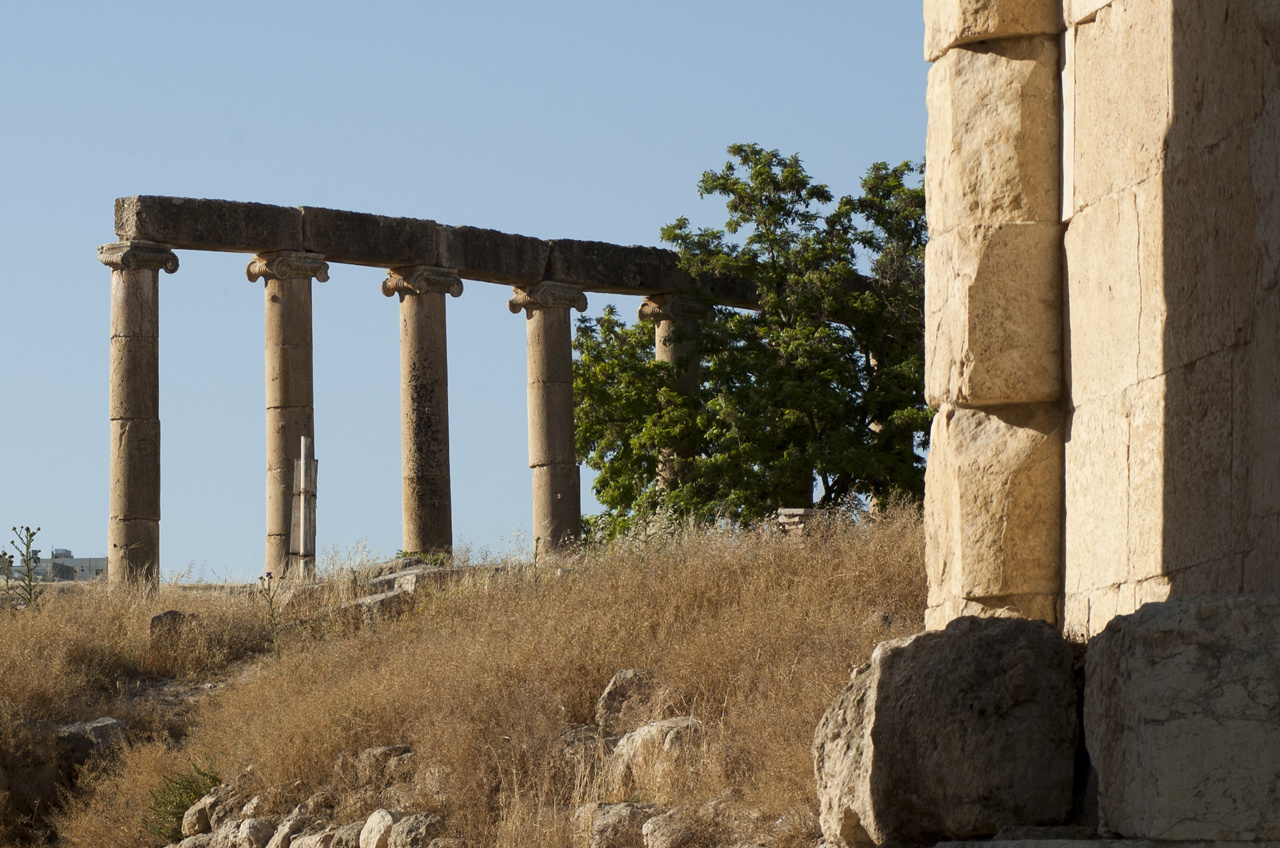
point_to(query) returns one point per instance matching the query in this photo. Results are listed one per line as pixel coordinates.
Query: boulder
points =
(347, 836)
(677, 828)
(632, 698)
(950, 735)
(651, 758)
(324, 839)
(377, 828)
(619, 825)
(415, 831)
(202, 816)
(1182, 720)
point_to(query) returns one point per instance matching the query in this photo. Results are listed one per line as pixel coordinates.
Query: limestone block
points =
(1205, 266)
(134, 374)
(414, 831)
(993, 503)
(1096, 529)
(950, 734)
(549, 336)
(289, 378)
(358, 238)
(1123, 84)
(135, 468)
(1081, 11)
(943, 608)
(376, 832)
(135, 303)
(1106, 330)
(994, 135)
(651, 759)
(1181, 701)
(1219, 65)
(619, 825)
(948, 23)
(993, 315)
(551, 424)
(287, 315)
(133, 548)
(479, 254)
(227, 225)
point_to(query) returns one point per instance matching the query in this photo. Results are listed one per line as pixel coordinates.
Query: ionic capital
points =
(287, 265)
(421, 279)
(548, 295)
(138, 255)
(671, 307)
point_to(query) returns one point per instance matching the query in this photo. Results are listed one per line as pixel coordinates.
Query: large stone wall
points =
(1104, 208)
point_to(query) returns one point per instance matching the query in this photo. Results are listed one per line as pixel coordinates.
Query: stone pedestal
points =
(557, 506)
(133, 531)
(424, 404)
(290, 402)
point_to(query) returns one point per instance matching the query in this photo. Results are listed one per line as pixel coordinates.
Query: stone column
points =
(424, 404)
(993, 311)
(133, 529)
(557, 500)
(290, 403)
(675, 318)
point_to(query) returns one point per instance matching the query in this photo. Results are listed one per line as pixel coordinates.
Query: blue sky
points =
(552, 119)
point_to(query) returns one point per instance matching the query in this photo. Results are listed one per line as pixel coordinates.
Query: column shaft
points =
(675, 320)
(424, 405)
(557, 501)
(133, 530)
(290, 409)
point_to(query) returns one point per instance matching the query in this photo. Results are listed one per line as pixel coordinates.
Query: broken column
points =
(675, 318)
(287, 278)
(133, 530)
(993, 310)
(557, 507)
(424, 404)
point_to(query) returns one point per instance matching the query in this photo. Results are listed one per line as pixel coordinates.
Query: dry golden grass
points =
(756, 632)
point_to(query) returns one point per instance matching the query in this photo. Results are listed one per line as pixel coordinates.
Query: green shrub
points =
(177, 792)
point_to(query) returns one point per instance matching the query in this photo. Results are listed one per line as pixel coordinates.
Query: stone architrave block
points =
(616, 269)
(993, 315)
(994, 144)
(950, 734)
(225, 225)
(1182, 720)
(479, 254)
(948, 23)
(358, 238)
(993, 506)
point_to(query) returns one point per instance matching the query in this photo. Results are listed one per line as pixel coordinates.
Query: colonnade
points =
(287, 275)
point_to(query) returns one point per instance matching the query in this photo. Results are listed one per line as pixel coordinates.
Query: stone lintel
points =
(357, 238)
(671, 307)
(222, 225)
(548, 295)
(614, 269)
(422, 279)
(137, 255)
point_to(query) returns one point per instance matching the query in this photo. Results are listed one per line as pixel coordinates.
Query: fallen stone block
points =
(653, 757)
(619, 825)
(634, 697)
(950, 734)
(1182, 720)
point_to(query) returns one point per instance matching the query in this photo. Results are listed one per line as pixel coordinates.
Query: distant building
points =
(62, 566)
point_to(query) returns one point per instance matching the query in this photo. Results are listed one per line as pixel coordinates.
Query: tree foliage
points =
(825, 379)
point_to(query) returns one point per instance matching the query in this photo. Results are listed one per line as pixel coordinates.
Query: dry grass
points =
(755, 632)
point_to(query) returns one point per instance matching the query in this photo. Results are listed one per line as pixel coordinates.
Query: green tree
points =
(825, 379)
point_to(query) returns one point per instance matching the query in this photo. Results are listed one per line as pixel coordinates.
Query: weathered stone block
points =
(1078, 11)
(134, 390)
(993, 505)
(1105, 299)
(479, 254)
(1181, 707)
(135, 468)
(652, 759)
(950, 734)
(1123, 84)
(1097, 491)
(358, 238)
(633, 697)
(993, 315)
(551, 424)
(994, 135)
(226, 225)
(617, 269)
(948, 23)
